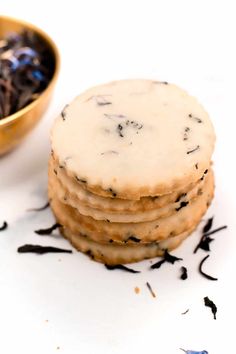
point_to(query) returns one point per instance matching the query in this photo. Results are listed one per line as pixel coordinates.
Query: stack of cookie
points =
(130, 172)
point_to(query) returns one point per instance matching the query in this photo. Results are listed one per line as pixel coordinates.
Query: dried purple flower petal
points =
(194, 351)
(27, 66)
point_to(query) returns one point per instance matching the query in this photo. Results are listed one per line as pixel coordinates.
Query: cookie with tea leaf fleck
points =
(113, 254)
(134, 138)
(188, 216)
(76, 193)
(97, 214)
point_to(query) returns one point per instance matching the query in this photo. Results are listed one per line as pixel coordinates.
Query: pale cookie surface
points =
(78, 193)
(120, 254)
(142, 216)
(157, 230)
(134, 138)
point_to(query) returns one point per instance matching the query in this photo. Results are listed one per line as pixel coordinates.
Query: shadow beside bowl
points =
(15, 127)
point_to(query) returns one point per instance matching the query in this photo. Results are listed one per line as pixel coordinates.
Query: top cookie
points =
(134, 138)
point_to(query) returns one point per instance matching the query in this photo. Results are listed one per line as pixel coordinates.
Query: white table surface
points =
(66, 303)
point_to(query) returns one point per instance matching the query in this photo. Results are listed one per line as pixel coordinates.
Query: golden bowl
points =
(16, 126)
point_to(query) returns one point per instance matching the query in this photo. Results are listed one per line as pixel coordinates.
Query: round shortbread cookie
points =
(120, 254)
(74, 191)
(157, 230)
(134, 138)
(97, 214)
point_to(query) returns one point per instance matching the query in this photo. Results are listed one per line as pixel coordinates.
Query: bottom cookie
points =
(113, 254)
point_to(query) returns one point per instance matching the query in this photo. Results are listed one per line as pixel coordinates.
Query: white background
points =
(66, 303)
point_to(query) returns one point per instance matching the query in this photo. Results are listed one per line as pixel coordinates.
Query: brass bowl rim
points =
(55, 50)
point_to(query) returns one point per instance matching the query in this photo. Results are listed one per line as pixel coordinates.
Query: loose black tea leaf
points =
(121, 267)
(26, 67)
(158, 264)
(205, 240)
(210, 303)
(47, 231)
(40, 208)
(208, 225)
(182, 205)
(184, 313)
(184, 273)
(193, 150)
(209, 277)
(4, 226)
(204, 243)
(216, 230)
(169, 258)
(38, 249)
(150, 289)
